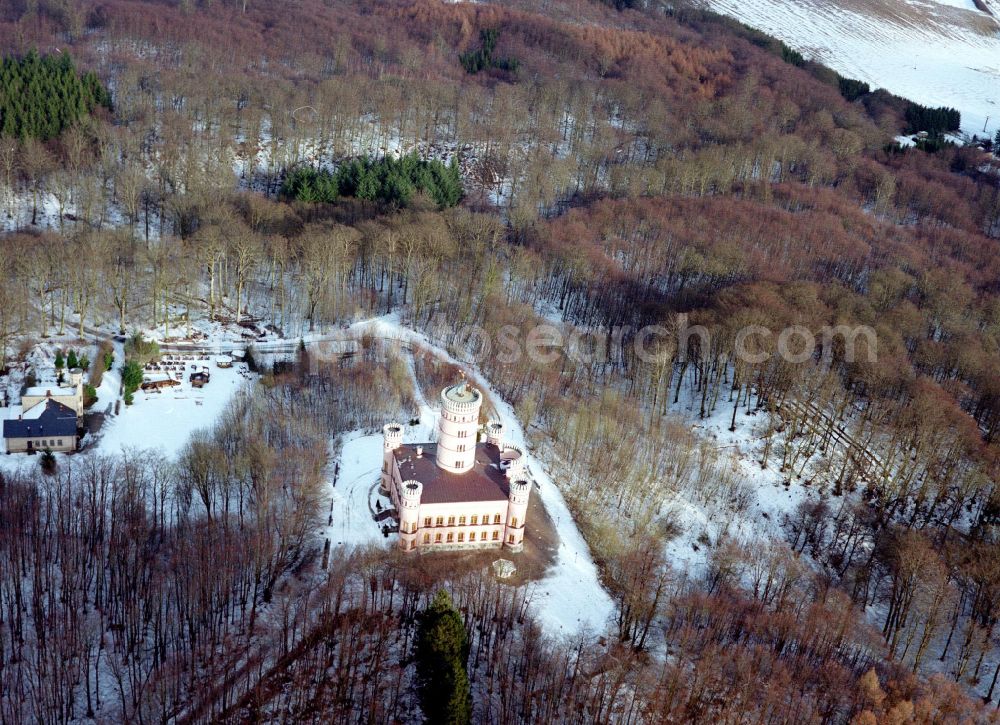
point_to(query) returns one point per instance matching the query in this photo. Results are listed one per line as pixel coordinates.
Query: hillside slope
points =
(944, 53)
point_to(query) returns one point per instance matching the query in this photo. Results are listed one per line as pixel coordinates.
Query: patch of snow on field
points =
(963, 4)
(166, 420)
(358, 471)
(934, 53)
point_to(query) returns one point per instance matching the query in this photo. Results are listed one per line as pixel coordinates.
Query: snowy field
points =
(944, 53)
(164, 421)
(568, 599)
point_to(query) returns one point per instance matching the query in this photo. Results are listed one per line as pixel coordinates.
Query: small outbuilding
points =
(504, 568)
(158, 383)
(224, 361)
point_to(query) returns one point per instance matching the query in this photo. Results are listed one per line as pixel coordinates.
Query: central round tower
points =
(458, 428)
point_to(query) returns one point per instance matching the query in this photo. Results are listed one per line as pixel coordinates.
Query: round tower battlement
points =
(520, 491)
(392, 436)
(412, 491)
(461, 399)
(494, 434)
(512, 461)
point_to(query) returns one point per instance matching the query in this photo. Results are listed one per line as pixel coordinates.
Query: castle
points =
(457, 493)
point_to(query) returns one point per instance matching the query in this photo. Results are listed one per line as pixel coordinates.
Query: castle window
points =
(513, 522)
(461, 536)
(496, 518)
(475, 520)
(427, 520)
(458, 464)
(486, 519)
(427, 538)
(496, 535)
(461, 447)
(482, 536)
(440, 520)
(437, 538)
(510, 539)
(451, 521)
(451, 536)
(461, 521)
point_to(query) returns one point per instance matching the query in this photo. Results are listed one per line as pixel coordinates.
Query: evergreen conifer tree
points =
(442, 649)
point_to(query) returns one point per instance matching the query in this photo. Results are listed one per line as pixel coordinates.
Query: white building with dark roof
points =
(458, 492)
(70, 395)
(47, 425)
(50, 417)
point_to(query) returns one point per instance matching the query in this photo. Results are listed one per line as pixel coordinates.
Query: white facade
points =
(471, 495)
(458, 428)
(69, 395)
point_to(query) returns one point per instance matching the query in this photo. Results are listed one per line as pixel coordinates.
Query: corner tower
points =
(392, 438)
(409, 508)
(517, 512)
(458, 428)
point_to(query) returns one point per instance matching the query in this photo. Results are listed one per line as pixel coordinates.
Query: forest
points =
(42, 96)
(298, 168)
(388, 180)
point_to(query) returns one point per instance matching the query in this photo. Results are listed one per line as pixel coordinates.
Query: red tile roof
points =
(483, 482)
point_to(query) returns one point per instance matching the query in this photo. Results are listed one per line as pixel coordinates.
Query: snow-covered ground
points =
(164, 421)
(759, 502)
(568, 599)
(938, 53)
